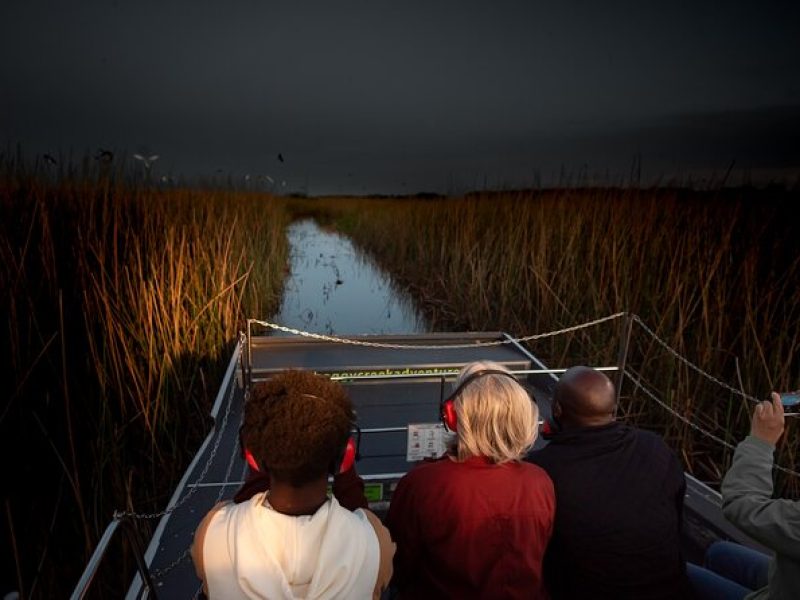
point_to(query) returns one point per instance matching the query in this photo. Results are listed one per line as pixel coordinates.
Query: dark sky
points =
(408, 96)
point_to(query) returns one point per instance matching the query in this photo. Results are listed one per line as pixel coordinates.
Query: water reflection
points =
(334, 289)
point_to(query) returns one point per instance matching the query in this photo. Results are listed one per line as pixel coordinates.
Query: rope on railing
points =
(368, 344)
(669, 349)
(528, 338)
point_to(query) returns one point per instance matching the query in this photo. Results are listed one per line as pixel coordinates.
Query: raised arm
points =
(747, 487)
(348, 487)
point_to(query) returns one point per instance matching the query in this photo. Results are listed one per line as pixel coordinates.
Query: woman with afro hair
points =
(283, 537)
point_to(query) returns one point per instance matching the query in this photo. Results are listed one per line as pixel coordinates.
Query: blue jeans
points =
(731, 572)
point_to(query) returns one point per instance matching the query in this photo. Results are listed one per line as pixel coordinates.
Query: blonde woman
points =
(476, 522)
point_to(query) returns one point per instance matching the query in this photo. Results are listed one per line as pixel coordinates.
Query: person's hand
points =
(348, 488)
(768, 420)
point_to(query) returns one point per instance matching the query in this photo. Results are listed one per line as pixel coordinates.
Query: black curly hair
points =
(297, 424)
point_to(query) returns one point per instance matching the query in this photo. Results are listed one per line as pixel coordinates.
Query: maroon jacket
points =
(471, 530)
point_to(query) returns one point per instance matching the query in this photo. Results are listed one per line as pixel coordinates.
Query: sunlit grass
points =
(714, 274)
(121, 303)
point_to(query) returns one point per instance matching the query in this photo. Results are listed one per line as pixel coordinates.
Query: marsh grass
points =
(121, 302)
(715, 274)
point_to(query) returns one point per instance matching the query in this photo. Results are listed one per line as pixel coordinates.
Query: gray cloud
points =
(411, 91)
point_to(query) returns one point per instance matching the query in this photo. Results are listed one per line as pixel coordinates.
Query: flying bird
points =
(280, 157)
(49, 159)
(146, 160)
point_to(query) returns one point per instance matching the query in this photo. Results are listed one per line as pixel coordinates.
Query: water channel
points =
(334, 289)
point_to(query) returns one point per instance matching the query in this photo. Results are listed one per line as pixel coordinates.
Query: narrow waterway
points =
(334, 289)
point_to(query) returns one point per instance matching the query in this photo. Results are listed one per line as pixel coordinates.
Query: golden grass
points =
(715, 274)
(122, 305)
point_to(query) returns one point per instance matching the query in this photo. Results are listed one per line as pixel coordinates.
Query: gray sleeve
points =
(747, 499)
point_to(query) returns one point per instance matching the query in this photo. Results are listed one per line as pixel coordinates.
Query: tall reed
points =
(121, 303)
(714, 274)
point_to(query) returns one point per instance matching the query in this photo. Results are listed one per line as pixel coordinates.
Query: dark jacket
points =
(619, 501)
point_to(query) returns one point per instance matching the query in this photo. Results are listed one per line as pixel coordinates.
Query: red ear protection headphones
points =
(345, 461)
(246, 454)
(447, 409)
(349, 456)
(549, 428)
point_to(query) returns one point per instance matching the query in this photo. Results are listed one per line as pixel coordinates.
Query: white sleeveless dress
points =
(253, 551)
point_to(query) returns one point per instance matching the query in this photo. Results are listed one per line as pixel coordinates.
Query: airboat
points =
(395, 383)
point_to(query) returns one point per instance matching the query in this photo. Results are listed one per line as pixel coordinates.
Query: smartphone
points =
(790, 402)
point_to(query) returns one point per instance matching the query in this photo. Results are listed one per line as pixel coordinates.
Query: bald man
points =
(619, 498)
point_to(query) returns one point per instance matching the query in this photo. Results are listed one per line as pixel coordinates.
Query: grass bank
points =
(120, 304)
(714, 274)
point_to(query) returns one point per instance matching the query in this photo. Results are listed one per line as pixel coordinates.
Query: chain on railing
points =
(629, 372)
(203, 472)
(634, 317)
(343, 340)
(689, 363)
(130, 516)
(640, 386)
(161, 573)
(368, 344)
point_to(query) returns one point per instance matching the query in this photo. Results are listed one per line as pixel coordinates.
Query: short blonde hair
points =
(496, 417)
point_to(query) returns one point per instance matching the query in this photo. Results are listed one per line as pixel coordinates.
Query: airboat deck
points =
(393, 381)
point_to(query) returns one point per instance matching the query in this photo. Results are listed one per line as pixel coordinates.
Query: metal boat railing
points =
(130, 537)
(243, 358)
(126, 521)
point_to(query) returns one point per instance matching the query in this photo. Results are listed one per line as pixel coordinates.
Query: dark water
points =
(334, 289)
